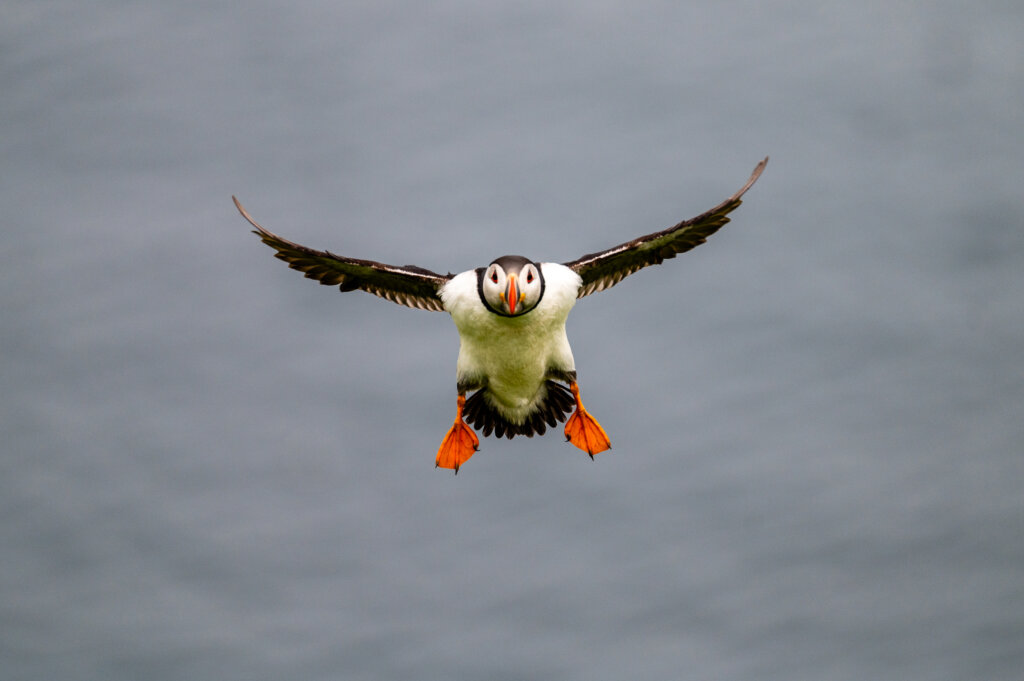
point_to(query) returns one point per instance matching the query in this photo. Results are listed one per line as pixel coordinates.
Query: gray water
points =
(215, 469)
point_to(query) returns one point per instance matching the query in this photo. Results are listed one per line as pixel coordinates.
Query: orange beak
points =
(512, 295)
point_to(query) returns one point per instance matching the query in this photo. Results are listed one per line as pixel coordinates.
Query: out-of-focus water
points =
(213, 468)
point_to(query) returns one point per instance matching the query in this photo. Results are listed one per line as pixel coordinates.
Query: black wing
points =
(607, 268)
(410, 285)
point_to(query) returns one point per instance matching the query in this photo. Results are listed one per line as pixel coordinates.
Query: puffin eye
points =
(529, 277)
(494, 276)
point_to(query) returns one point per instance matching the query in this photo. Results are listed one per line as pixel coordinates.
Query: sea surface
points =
(212, 468)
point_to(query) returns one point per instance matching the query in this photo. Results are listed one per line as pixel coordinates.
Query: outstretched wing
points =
(409, 285)
(607, 268)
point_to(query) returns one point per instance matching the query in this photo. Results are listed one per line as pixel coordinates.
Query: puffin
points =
(515, 373)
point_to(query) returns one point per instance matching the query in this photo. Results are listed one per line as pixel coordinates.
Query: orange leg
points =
(459, 444)
(583, 430)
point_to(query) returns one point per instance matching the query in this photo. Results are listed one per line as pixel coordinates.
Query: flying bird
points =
(514, 356)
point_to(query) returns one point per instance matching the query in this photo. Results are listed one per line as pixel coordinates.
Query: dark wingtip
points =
(758, 169)
(245, 214)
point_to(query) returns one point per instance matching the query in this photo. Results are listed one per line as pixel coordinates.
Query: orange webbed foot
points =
(459, 443)
(583, 430)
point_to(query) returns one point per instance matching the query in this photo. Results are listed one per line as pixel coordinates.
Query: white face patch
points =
(493, 287)
(531, 287)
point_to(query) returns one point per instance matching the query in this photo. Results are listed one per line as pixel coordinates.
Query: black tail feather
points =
(554, 409)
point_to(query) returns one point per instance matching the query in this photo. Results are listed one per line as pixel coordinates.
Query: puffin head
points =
(510, 286)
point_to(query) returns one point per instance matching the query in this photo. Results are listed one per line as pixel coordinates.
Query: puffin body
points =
(515, 363)
(512, 356)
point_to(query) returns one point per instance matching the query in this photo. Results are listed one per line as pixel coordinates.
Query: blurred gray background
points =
(213, 468)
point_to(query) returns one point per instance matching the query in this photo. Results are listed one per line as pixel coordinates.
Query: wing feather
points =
(605, 269)
(409, 285)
